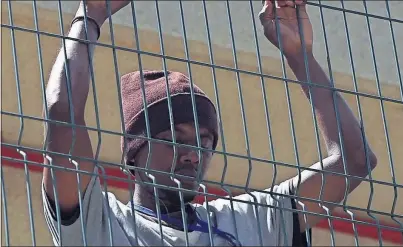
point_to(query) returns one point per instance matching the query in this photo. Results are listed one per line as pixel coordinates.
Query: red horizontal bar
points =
(342, 226)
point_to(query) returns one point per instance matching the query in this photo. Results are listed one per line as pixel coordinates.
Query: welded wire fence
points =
(267, 130)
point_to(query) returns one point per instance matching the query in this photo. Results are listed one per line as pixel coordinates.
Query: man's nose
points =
(190, 156)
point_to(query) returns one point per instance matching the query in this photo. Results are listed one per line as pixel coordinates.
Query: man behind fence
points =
(281, 220)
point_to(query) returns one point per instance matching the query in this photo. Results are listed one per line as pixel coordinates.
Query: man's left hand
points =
(288, 25)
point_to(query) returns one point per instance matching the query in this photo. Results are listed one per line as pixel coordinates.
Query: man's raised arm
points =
(60, 138)
(358, 160)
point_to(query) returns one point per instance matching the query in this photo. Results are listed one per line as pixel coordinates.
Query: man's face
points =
(187, 163)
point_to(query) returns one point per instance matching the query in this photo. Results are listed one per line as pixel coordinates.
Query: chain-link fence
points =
(219, 123)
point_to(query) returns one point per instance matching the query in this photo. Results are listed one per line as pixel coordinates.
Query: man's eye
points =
(179, 141)
(206, 143)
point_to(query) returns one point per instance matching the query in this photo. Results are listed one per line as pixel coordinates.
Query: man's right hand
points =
(98, 9)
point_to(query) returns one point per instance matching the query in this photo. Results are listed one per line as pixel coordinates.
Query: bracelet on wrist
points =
(82, 18)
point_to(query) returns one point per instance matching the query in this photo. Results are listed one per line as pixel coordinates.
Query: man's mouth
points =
(187, 172)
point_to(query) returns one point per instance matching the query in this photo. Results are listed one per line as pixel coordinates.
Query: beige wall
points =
(230, 108)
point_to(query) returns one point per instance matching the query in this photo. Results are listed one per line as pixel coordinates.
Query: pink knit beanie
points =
(157, 105)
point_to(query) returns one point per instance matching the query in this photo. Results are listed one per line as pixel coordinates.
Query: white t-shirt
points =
(117, 220)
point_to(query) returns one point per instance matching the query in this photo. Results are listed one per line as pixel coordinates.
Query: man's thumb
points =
(266, 13)
(268, 3)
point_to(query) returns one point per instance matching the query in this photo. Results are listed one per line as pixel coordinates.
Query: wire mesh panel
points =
(211, 123)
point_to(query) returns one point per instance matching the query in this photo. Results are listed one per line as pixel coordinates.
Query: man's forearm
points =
(326, 112)
(77, 57)
(60, 138)
(309, 185)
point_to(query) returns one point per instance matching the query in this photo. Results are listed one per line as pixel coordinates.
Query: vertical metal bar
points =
(108, 212)
(196, 123)
(45, 155)
(287, 91)
(68, 82)
(98, 124)
(45, 109)
(131, 182)
(40, 62)
(209, 224)
(29, 198)
(183, 211)
(21, 130)
(136, 37)
(264, 96)
(220, 124)
(342, 152)
(16, 71)
(245, 129)
(192, 94)
(117, 82)
(354, 227)
(399, 74)
(267, 114)
(162, 50)
(301, 31)
(117, 79)
(158, 207)
(170, 117)
(56, 197)
(358, 102)
(401, 93)
(99, 136)
(94, 91)
(384, 123)
(332, 239)
(308, 238)
(335, 108)
(219, 116)
(5, 213)
(172, 124)
(80, 200)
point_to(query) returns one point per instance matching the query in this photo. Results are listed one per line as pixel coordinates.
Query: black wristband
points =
(82, 18)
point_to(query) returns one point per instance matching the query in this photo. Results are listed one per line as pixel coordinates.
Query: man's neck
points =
(171, 208)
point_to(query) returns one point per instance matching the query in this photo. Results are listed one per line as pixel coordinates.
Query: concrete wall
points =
(241, 18)
(108, 107)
